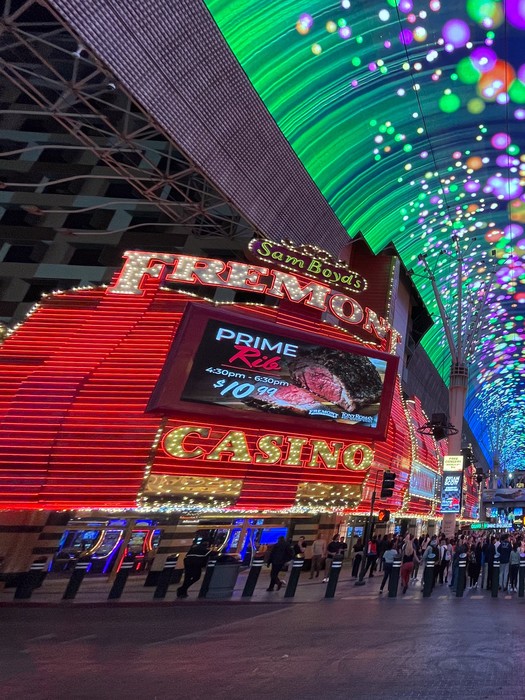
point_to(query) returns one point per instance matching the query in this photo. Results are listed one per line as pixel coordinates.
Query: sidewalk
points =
(94, 591)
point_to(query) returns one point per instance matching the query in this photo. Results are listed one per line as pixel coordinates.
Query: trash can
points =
(224, 576)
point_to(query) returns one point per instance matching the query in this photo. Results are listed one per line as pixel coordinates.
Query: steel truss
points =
(65, 82)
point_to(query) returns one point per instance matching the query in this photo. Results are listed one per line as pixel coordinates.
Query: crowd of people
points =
(480, 553)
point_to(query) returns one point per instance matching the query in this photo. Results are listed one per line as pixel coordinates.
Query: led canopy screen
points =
(258, 372)
(409, 116)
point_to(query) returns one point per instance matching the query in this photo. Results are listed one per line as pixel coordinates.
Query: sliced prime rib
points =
(349, 381)
(287, 399)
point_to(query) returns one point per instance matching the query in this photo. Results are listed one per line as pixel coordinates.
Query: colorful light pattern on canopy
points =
(409, 116)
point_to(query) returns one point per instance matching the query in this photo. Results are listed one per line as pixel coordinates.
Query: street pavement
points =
(357, 647)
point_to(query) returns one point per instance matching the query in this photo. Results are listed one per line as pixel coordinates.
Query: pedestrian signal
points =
(383, 516)
(387, 487)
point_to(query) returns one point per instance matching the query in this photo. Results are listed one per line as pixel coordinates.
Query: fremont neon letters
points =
(274, 449)
(171, 267)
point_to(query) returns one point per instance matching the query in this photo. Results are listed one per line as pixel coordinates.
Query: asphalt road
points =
(358, 649)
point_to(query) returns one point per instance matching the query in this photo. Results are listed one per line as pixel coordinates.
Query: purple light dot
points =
(456, 32)
(406, 36)
(500, 140)
(372, 66)
(306, 20)
(434, 199)
(345, 32)
(406, 6)
(513, 230)
(387, 44)
(505, 188)
(424, 154)
(515, 13)
(472, 186)
(354, 83)
(483, 59)
(505, 161)
(519, 114)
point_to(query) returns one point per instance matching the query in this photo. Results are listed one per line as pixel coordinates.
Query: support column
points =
(457, 398)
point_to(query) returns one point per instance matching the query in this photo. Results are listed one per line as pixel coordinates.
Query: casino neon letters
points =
(275, 449)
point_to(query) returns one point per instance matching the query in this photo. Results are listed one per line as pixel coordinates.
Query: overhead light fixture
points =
(438, 426)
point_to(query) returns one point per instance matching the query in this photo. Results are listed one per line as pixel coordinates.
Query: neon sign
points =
(310, 261)
(187, 269)
(189, 442)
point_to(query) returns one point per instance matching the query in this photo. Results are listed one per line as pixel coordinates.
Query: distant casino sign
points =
(422, 481)
(309, 261)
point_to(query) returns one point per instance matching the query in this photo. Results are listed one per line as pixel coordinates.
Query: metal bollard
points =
(165, 577)
(30, 580)
(120, 580)
(210, 568)
(76, 578)
(297, 565)
(335, 570)
(521, 580)
(428, 576)
(462, 575)
(495, 577)
(393, 581)
(253, 576)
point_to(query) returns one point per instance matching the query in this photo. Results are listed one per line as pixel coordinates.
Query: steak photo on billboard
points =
(237, 362)
(241, 368)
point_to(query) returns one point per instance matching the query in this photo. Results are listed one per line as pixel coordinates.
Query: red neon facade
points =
(75, 382)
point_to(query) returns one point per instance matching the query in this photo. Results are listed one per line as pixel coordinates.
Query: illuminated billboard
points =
(259, 371)
(451, 492)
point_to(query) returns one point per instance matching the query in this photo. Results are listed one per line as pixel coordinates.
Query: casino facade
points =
(241, 399)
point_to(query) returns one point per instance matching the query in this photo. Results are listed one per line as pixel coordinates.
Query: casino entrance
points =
(105, 543)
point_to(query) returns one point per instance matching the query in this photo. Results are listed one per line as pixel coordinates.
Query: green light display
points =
(408, 116)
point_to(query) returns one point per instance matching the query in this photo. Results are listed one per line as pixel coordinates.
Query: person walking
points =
(358, 555)
(474, 564)
(382, 547)
(318, 554)
(299, 547)
(489, 558)
(407, 563)
(416, 543)
(388, 563)
(194, 562)
(371, 557)
(332, 550)
(280, 554)
(504, 550)
(514, 567)
(444, 561)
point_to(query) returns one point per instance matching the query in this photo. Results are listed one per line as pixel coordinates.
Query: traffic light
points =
(387, 487)
(383, 516)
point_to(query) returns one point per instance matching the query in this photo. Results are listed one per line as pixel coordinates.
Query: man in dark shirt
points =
(331, 551)
(281, 553)
(194, 562)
